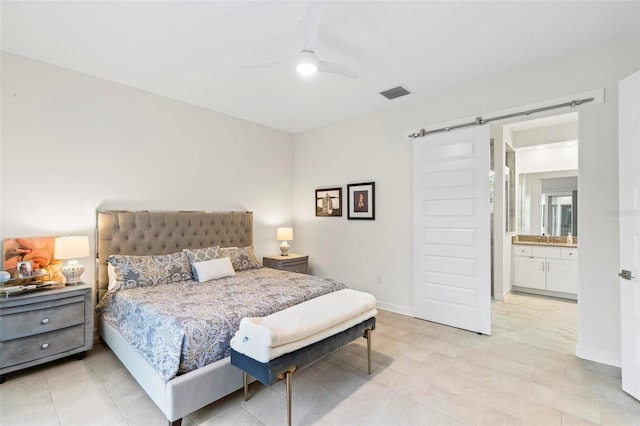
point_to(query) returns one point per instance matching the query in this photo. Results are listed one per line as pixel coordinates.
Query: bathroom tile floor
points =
(526, 373)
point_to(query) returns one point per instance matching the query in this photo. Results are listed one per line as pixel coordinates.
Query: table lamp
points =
(284, 235)
(71, 248)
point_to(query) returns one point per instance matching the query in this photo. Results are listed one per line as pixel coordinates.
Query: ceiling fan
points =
(307, 61)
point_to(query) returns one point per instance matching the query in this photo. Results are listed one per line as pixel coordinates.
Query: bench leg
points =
(245, 382)
(289, 391)
(288, 376)
(368, 337)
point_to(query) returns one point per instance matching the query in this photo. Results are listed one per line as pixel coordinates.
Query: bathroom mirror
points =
(548, 203)
(559, 213)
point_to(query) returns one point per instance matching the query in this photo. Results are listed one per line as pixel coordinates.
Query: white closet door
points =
(451, 229)
(629, 200)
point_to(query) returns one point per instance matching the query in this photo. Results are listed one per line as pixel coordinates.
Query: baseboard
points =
(501, 297)
(399, 309)
(597, 355)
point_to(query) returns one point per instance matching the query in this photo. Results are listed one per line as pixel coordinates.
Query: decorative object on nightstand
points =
(292, 262)
(72, 248)
(284, 235)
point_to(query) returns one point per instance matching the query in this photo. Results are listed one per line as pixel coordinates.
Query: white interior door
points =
(629, 174)
(451, 229)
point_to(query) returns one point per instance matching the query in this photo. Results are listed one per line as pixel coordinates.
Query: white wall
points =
(546, 135)
(374, 148)
(71, 143)
(548, 159)
(502, 136)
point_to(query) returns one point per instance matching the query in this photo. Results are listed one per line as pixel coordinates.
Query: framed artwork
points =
(33, 253)
(361, 201)
(329, 202)
(24, 269)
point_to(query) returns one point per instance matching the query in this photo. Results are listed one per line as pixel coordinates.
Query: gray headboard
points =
(147, 232)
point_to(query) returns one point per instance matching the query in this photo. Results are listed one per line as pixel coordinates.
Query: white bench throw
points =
(266, 338)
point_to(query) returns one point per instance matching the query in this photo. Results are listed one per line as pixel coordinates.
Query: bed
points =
(183, 384)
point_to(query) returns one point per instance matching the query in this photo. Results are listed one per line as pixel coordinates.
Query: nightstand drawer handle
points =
(44, 346)
(44, 320)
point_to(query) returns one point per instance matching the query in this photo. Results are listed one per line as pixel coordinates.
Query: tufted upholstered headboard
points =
(146, 232)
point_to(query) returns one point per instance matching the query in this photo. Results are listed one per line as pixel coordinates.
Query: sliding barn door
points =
(451, 229)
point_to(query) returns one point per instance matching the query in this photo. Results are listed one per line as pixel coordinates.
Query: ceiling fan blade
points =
(310, 26)
(334, 68)
(272, 64)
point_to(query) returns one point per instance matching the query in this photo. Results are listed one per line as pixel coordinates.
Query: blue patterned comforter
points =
(182, 326)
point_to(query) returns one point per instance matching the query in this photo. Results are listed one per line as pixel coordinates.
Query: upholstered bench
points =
(272, 348)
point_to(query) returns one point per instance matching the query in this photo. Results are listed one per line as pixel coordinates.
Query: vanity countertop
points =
(538, 240)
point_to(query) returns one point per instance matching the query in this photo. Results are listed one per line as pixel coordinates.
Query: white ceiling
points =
(196, 52)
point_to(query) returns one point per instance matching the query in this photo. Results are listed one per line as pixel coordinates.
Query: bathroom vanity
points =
(547, 266)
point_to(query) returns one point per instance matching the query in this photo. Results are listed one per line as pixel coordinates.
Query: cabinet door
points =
(562, 275)
(529, 272)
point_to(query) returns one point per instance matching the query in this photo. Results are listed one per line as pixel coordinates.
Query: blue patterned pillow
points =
(201, 255)
(145, 271)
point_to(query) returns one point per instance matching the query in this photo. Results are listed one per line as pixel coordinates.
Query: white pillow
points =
(214, 269)
(111, 273)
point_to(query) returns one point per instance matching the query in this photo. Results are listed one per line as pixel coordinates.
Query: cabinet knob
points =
(44, 346)
(44, 320)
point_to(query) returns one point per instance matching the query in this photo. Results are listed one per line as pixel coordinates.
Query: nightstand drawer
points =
(18, 351)
(299, 266)
(292, 263)
(39, 321)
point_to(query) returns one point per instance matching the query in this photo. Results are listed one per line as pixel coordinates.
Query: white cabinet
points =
(562, 275)
(529, 272)
(546, 270)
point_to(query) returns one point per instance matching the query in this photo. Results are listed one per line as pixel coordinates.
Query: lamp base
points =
(284, 249)
(72, 272)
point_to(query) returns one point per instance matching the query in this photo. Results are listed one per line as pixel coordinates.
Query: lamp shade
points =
(284, 234)
(73, 247)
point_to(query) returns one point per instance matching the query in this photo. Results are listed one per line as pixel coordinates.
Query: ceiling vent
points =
(395, 92)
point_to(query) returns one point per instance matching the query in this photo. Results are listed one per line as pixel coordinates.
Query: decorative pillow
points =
(111, 273)
(144, 271)
(201, 255)
(214, 269)
(242, 258)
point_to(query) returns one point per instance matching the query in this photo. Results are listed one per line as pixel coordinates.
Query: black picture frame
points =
(328, 202)
(361, 199)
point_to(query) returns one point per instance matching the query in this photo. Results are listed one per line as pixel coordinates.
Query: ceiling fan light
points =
(307, 63)
(307, 68)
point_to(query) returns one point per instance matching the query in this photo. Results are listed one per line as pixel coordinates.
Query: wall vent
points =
(395, 92)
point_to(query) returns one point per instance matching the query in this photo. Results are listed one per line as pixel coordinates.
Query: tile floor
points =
(424, 374)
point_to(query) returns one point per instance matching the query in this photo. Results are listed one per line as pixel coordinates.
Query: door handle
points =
(626, 275)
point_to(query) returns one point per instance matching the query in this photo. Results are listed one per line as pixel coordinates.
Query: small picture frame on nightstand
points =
(24, 268)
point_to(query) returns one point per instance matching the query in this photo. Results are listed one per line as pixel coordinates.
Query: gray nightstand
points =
(44, 325)
(292, 263)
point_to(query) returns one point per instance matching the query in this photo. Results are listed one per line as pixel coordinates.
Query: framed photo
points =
(329, 202)
(361, 201)
(36, 251)
(24, 269)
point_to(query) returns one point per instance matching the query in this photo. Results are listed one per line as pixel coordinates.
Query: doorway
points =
(538, 162)
(504, 218)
